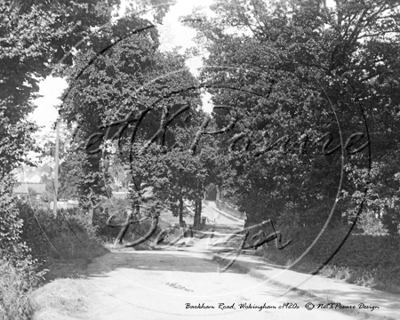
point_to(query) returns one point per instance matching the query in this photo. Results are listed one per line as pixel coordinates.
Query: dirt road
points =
(149, 285)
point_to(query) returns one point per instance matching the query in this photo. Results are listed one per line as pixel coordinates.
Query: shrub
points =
(370, 224)
(56, 241)
(117, 208)
(10, 224)
(18, 272)
(340, 273)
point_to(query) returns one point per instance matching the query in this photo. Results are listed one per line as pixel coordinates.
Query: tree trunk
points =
(123, 230)
(137, 209)
(92, 210)
(181, 212)
(200, 209)
(197, 215)
(91, 214)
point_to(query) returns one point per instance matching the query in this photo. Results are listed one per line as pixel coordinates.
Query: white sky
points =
(46, 113)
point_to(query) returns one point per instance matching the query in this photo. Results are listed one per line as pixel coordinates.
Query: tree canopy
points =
(299, 76)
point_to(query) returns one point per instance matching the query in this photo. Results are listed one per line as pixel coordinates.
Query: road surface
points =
(212, 213)
(183, 282)
(150, 285)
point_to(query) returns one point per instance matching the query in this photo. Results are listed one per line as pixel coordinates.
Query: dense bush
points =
(64, 236)
(135, 231)
(32, 240)
(117, 208)
(17, 267)
(10, 224)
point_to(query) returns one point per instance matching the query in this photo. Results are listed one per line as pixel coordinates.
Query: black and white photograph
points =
(199, 159)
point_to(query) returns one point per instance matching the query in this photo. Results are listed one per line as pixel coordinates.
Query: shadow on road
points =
(171, 261)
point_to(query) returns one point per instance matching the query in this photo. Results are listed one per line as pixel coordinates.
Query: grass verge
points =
(63, 246)
(369, 261)
(61, 299)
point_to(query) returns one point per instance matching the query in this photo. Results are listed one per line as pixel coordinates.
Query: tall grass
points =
(15, 292)
(61, 299)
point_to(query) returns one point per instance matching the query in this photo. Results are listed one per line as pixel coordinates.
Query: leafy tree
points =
(36, 38)
(130, 99)
(283, 68)
(34, 33)
(180, 174)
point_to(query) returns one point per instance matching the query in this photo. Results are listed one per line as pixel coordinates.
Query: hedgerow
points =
(18, 270)
(62, 237)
